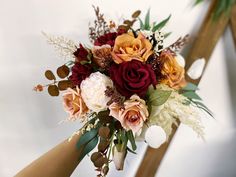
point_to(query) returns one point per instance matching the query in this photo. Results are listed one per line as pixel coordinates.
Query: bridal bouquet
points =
(126, 87)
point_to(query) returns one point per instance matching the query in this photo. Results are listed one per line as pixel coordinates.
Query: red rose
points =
(132, 77)
(79, 73)
(81, 54)
(108, 38)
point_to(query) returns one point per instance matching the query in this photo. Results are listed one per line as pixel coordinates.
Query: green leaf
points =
(131, 139)
(86, 137)
(167, 34)
(130, 150)
(198, 2)
(190, 86)
(191, 95)
(89, 147)
(159, 97)
(203, 107)
(161, 24)
(147, 20)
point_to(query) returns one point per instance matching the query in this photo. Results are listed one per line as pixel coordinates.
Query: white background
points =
(29, 121)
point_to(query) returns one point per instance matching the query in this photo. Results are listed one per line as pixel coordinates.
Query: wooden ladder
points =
(203, 46)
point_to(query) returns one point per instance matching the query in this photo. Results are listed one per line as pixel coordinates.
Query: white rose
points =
(93, 91)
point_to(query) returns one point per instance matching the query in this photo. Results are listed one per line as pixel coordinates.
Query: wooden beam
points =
(206, 40)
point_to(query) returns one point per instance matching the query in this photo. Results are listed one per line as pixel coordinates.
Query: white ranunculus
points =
(93, 91)
(155, 136)
(196, 69)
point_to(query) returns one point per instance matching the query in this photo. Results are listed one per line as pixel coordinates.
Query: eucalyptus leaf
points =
(159, 97)
(86, 137)
(161, 24)
(190, 86)
(131, 139)
(89, 147)
(191, 95)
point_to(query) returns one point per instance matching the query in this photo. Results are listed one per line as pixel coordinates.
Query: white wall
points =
(29, 121)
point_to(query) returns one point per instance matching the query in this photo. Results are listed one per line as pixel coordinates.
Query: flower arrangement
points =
(127, 87)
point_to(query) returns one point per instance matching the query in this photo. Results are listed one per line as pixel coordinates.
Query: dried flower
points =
(178, 44)
(174, 109)
(100, 26)
(102, 55)
(38, 88)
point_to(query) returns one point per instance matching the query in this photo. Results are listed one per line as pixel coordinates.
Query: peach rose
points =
(127, 47)
(133, 115)
(74, 104)
(173, 73)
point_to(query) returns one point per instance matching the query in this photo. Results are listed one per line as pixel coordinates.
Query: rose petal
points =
(155, 136)
(196, 69)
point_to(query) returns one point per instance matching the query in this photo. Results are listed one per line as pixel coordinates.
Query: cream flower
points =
(133, 115)
(74, 104)
(93, 91)
(174, 109)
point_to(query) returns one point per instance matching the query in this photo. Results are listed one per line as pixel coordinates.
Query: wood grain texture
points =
(203, 46)
(233, 24)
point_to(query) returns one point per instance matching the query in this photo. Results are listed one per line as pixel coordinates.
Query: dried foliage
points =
(99, 27)
(178, 44)
(63, 71)
(53, 90)
(115, 97)
(65, 47)
(128, 23)
(49, 75)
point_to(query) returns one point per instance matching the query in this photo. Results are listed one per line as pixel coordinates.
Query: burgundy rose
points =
(108, 38)
(81, 54)
(79, 73)
(132, 77)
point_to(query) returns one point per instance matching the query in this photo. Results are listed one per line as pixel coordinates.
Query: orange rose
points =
(127, 48)
(173, 73)
(74, 104)
(133, 115)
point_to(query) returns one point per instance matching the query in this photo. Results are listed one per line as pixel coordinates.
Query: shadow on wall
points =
(230, 55)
